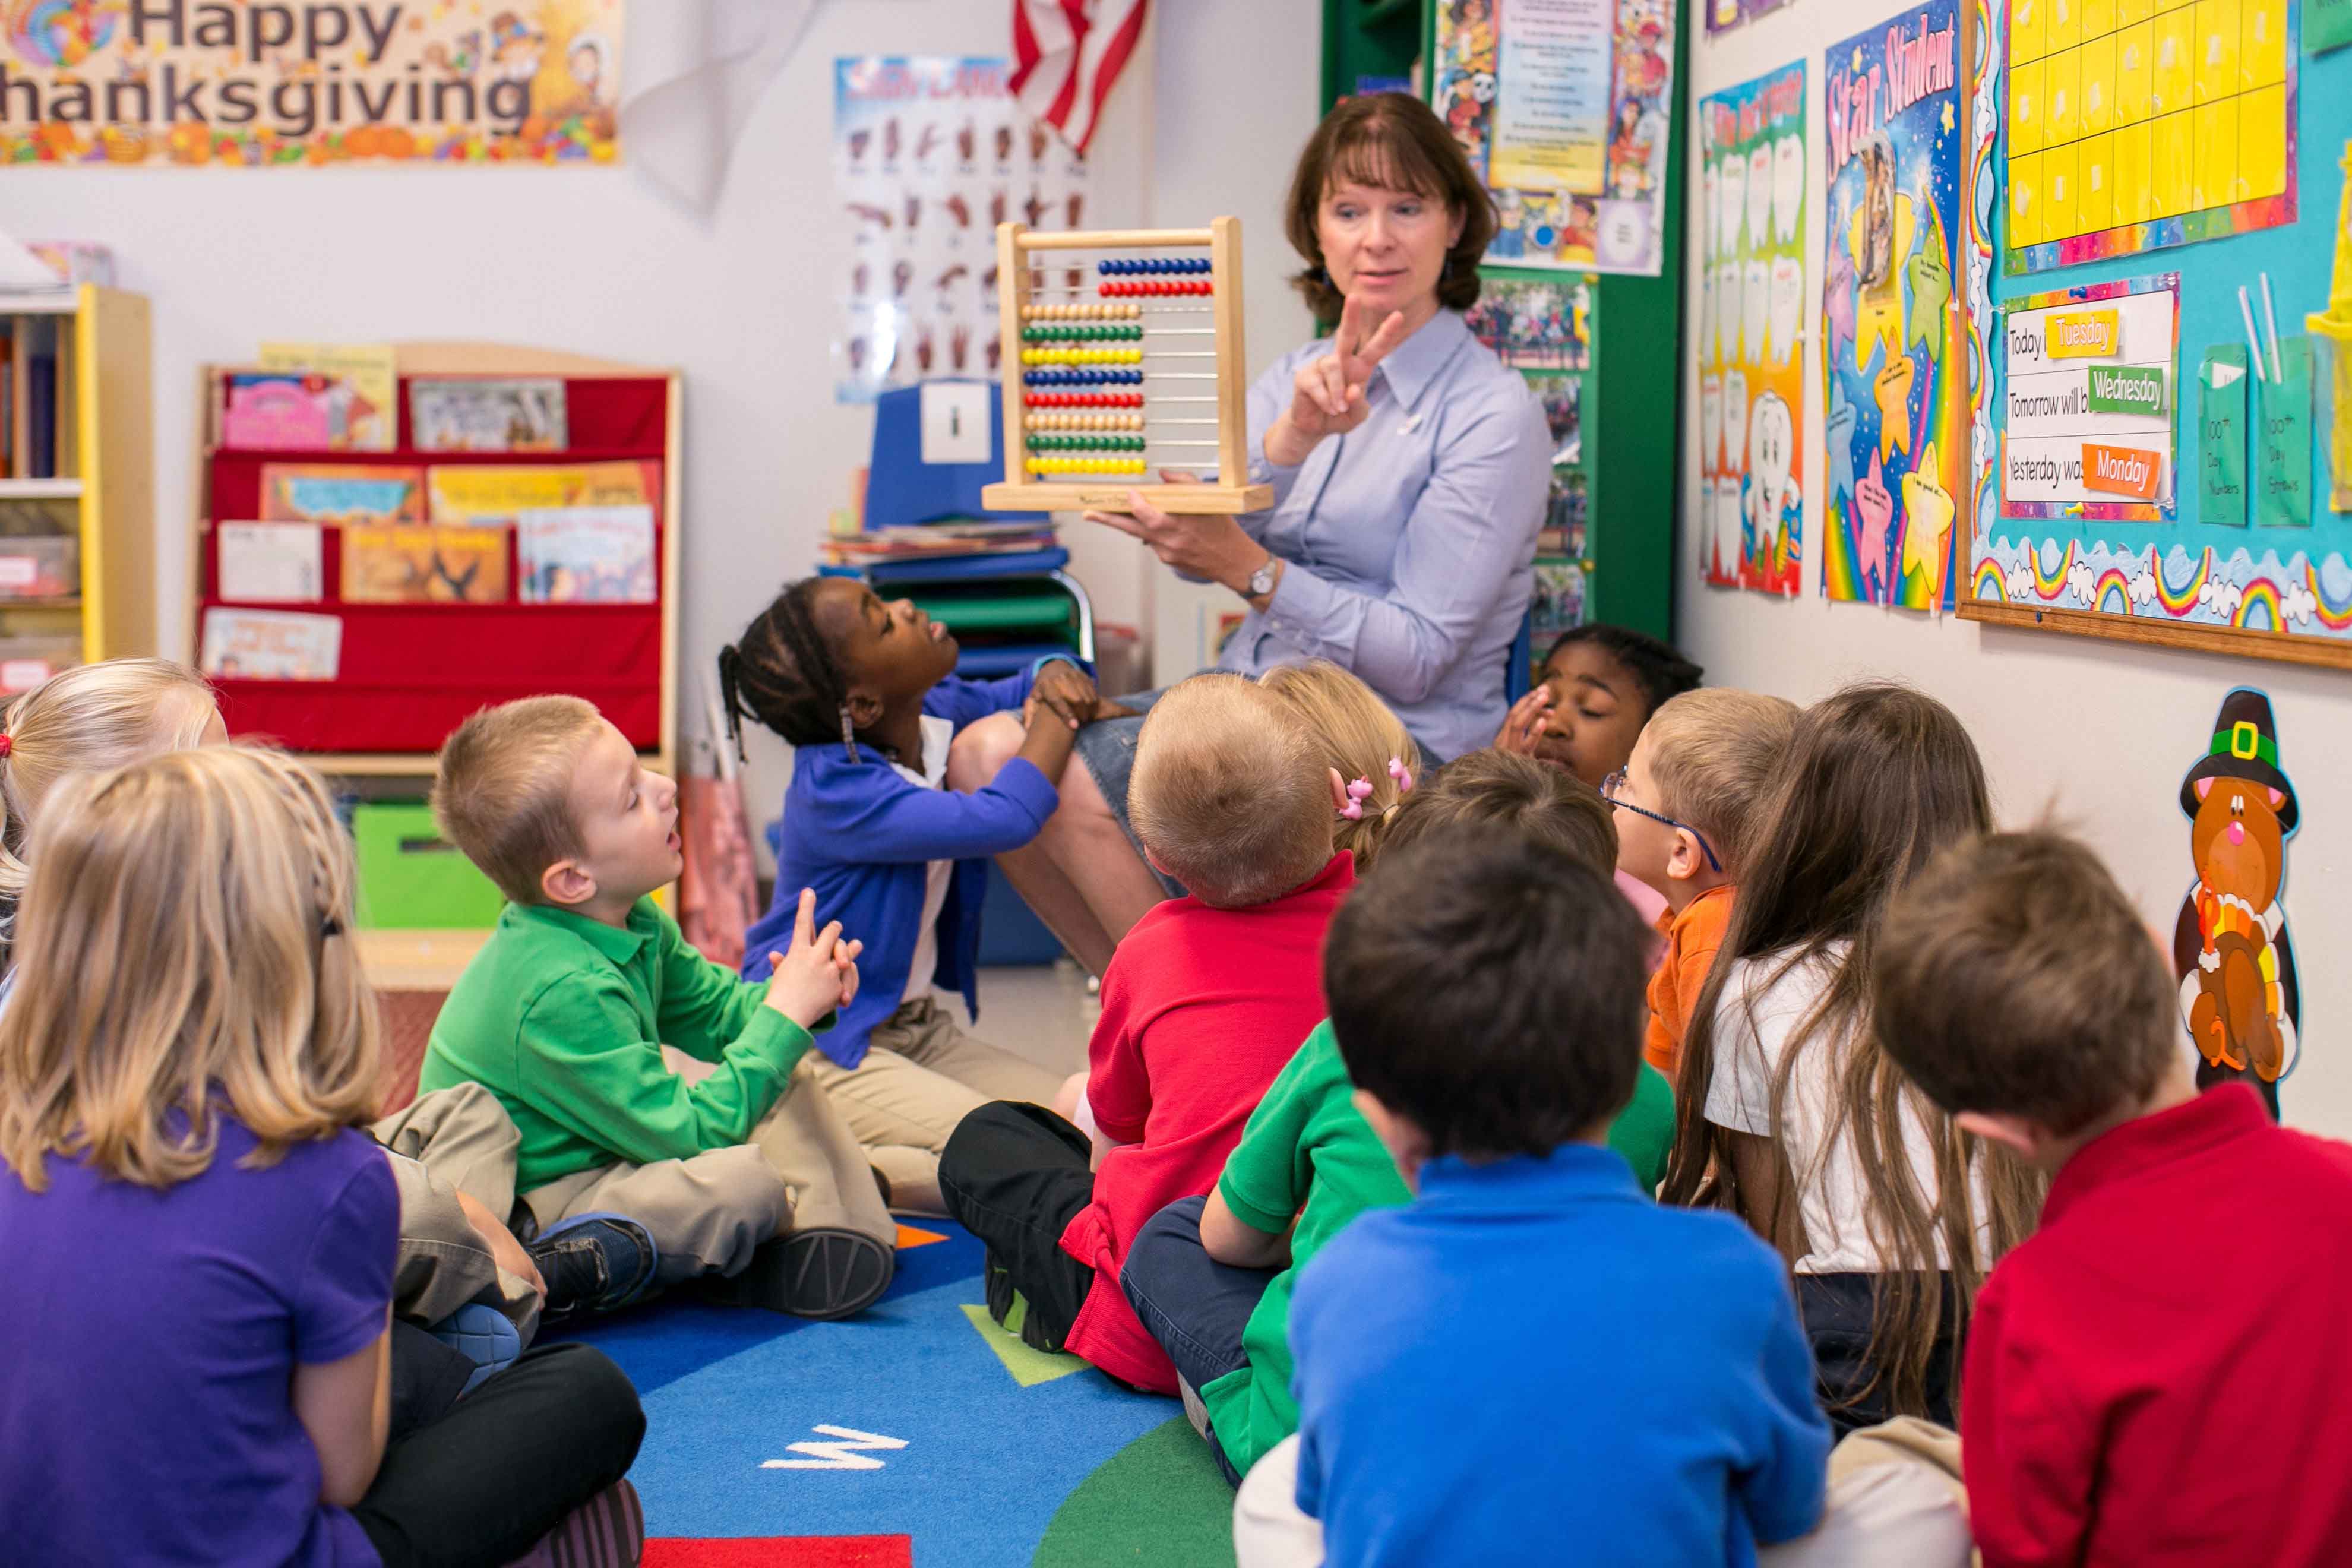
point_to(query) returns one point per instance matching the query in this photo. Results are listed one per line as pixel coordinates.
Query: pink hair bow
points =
(1404, 775)
(1358, 793)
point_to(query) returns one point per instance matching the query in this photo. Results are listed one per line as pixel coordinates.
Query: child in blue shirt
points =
(1532, 1362)
(867, 691)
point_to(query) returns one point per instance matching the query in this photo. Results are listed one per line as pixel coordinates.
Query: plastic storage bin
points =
(25, 662)
(40, 566)
(412, 878)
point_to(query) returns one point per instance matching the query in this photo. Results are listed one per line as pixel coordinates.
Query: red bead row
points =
(1083, 400)
(1157, 286)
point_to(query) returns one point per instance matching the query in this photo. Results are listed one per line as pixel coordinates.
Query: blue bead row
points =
(1081, 378)
(1140, 264)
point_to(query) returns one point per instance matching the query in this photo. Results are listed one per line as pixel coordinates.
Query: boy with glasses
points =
(1687, 800)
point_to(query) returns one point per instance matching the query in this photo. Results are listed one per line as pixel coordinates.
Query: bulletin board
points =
(2241, 549)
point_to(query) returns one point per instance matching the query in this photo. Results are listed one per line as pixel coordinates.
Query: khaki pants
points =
(452, 1141)
(921, 1076)
(802, 1170)
(1894, 1497)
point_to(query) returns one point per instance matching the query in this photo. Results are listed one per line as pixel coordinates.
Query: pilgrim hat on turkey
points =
(2244, 746)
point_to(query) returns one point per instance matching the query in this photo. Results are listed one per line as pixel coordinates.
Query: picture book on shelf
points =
(294, 411)
(270, 645)
(440, 563)
(342, 493)
(269, 562)
(586, 555)
(487, 416)
(367, 370)
(471, 493)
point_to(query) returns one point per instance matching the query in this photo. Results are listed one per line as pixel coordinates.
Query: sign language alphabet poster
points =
(1751, 340)
(1896, 397)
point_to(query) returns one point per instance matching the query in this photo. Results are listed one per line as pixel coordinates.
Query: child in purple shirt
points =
(202, 1241)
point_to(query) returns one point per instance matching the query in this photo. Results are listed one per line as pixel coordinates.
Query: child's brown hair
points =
(1712, 755)
(1879, 780)
(2071, 1012)
(1228, 794)
(1538, 801)
(1359, 737)
(503, 791)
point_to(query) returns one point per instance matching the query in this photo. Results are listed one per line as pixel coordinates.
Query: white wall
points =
(2098, 732)
(599, 262)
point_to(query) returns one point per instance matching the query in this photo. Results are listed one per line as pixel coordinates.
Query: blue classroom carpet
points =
(917, 1435)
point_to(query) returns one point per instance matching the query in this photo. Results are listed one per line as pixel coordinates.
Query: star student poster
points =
(1751, 319)
(1892, 356)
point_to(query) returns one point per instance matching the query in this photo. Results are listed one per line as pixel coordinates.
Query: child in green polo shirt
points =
(748, 1176)
(1198, 1273)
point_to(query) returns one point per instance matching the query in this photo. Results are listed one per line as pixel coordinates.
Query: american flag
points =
(1066, 54)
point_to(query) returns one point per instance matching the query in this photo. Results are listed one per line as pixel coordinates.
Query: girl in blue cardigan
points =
(867, 692)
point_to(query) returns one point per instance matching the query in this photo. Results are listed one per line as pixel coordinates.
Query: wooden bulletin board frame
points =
(2283, 595)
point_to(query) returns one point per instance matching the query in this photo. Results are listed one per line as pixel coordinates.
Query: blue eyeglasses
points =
(1615, 782)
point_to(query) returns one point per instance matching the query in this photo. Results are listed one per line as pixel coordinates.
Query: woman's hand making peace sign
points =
(1329, 396)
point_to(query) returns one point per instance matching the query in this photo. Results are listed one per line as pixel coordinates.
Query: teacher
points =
(1408, 469)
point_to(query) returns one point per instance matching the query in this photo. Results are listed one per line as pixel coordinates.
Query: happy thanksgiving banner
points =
(267, 85)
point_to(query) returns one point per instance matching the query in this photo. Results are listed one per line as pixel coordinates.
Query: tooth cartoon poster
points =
(1751, 351)
(1895, 396)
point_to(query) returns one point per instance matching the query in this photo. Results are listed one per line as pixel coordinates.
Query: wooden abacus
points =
(1116, 370)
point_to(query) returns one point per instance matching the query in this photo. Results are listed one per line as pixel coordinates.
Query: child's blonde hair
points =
(86, 719)
(186, 941)
(1358, 736)
(1228, 794)
(503, 791)
(1713, 753)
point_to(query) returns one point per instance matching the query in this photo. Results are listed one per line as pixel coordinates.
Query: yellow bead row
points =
(1085, 465)
(1074, 355)
(1082, 421)
(1099, 311)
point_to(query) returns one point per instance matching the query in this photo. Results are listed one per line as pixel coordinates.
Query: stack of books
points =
(948, 541)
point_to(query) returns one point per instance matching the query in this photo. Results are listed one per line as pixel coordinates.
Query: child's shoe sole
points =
(608, 1531)
(823, 1274)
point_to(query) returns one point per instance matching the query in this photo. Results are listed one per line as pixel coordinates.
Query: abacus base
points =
(1108, 495)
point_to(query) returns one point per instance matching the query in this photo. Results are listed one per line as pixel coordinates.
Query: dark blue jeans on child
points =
(1193, 1305)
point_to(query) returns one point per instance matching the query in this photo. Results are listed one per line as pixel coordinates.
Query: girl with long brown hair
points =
(1787, 1110)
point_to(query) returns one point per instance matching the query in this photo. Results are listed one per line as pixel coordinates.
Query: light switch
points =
(955, 422)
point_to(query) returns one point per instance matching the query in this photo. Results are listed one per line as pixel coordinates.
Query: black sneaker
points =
(1011, 1310)
(821, 1273)
(592, 1263)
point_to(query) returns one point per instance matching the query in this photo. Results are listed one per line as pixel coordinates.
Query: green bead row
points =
(1085, 443)
(1083, 332)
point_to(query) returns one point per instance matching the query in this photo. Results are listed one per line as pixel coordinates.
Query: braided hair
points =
(780, 673)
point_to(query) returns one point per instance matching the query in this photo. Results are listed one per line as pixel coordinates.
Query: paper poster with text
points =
(1751, 334)
(254, 85)
(1896, 395)
(2090, 395)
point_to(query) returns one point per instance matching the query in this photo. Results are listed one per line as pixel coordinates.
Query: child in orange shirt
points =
(1685, 800)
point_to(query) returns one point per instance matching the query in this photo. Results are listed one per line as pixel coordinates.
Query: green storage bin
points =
(412, 878)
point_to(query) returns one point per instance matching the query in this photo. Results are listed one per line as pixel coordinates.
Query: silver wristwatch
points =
(1262, 581)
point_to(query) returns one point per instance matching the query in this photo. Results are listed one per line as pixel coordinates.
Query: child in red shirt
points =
(2160, 1375)
(1203, 1006)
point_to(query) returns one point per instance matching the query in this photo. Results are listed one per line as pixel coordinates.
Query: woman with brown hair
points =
(1408, 469)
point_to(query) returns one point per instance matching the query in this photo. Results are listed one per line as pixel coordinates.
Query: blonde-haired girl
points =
(1372, 757)
(93, 716)
(1788, 1110)
(201, 1240)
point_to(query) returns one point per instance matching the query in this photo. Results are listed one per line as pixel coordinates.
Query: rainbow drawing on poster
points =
(1751, 142)
(1893, 346)
(2133, 130)
(2300, 593)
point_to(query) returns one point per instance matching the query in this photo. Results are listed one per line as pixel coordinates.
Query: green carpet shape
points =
(1158, 1502)
(1028, 1366)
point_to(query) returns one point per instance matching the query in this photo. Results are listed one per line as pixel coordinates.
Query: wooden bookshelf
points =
(103, 489)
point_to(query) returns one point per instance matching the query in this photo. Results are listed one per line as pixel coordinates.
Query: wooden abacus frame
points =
(1018, 290)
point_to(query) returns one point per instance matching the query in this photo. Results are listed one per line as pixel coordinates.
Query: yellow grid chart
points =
(2124, 111)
